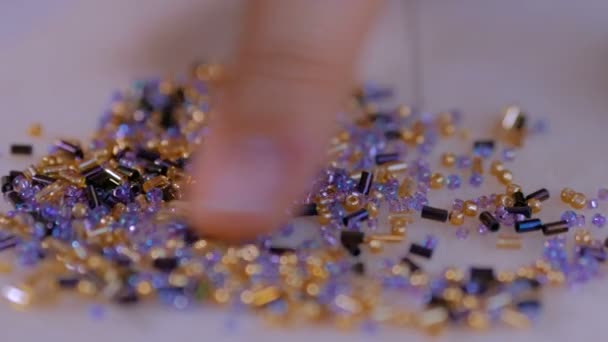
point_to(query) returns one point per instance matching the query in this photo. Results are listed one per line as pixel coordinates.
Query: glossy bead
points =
(541, 195)
(505, 177)
(375, 246)
(477, 165)
(508, 242)
(513, 188)
(478, 321)
(566, 195)
(489, 221)
(578, 201)
(535, 204)
(352, 202)
(456, 218)
(448, 159)
(505, 201)
(496, 167)
(372, 209)
(554, 228)
(421, 251)
(437, 181)
(470, 208)
(528, 225)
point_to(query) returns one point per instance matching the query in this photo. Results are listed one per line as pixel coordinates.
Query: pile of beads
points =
(106, 220)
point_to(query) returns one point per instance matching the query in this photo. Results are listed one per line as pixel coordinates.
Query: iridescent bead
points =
(505, 177)
(578, 201)
(598, 220)
(476, 180)
(463, 162)
(470, 208)
(453, 181)
(535, 205)
(462, 233)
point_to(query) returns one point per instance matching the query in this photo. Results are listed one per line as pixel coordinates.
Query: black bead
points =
(73, 149)
(554, 228)
(92, 197)
(365, 182)
(488, 220)
(359, 268)
(412, 266)
(434, 214)
(13, 197)
(280, 250)
(380, 118)
(386, 158)
(148, 155)
(309, 209)
(597, 253)
(43, 180)
(392, 135)
(181, 162)
(351, 238)
(527, 306)
(167, 119)
(22, 149)
(541, 195)
(67, 282)
(6, 187)
(145, 105)
(190, 237)
(519, 198)
(136, 189)
(127, 297)
(14, 174)
(435, 301)
(354, 250)
(167, 264)
(357, 216)
(525, 210)
(482, 275)
(131, 174)
(528, 226)
(155, 169)
(480, 146)
(422, 251)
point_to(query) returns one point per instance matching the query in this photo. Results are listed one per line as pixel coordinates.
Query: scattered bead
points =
(598, 220)
(578, 201)
(456, 218)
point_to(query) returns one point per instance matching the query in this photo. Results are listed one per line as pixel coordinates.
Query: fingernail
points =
(248, 179)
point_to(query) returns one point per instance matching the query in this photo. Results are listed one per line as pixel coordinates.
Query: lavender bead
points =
(476, 180)
(462, 233)
(453, 182)
(463, 162)
(581, 221)
(508, 154)
(457, 204)
(592, 204)
(599, 220)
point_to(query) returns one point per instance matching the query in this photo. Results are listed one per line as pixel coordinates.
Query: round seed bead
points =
(375, 246)
(453, 182)
(504, 201)
(478, 321)
(476, 180)
(505, 177)
(592, 204)
(448, 159)
(566, 195)
(456, 218)
(513, 188)
(352, 202)
(535, 205)
(599, 220)
(496, 167)
(470, 208)
(578, 201)
(437, 181)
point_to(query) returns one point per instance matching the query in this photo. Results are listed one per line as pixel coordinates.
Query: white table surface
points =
(60, 59)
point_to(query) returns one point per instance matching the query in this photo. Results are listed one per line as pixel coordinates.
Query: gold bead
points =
(453, 274)
(496, 167)
(399, 230)
(453, 294)
(79, 210)
(505, 276)
(505, 177)
(470, 208)
(535, 205)
(86, 288)
(582, 237)
(477, 320)
(526, 272)
(515, 319)
(144, 288)
(372, 209)
(504, 200)
(447, 130)
(325, 218)
(456, 218)
(437, 181)
(508, 242)
(375, 246)
(406, 188)
(433, 320)
(35, 130)
(566, 195)
(448, 159)
(477, 165)
(470, 302)
(556, 277)
(578, 201)
(513, 188)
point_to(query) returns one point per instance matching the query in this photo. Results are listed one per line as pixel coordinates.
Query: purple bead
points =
(476, 180)
(430, 241)
(463, 162)
(462, 233)
(592, 204)
(570, 217)
(581, 221)
(155, 195)
(602, 194)
(599, 220)
(508, 154)
(540, 126)
(483, 202)
(457, 204)
(453, 182)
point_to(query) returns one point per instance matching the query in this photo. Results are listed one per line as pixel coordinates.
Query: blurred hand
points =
(293, 72)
